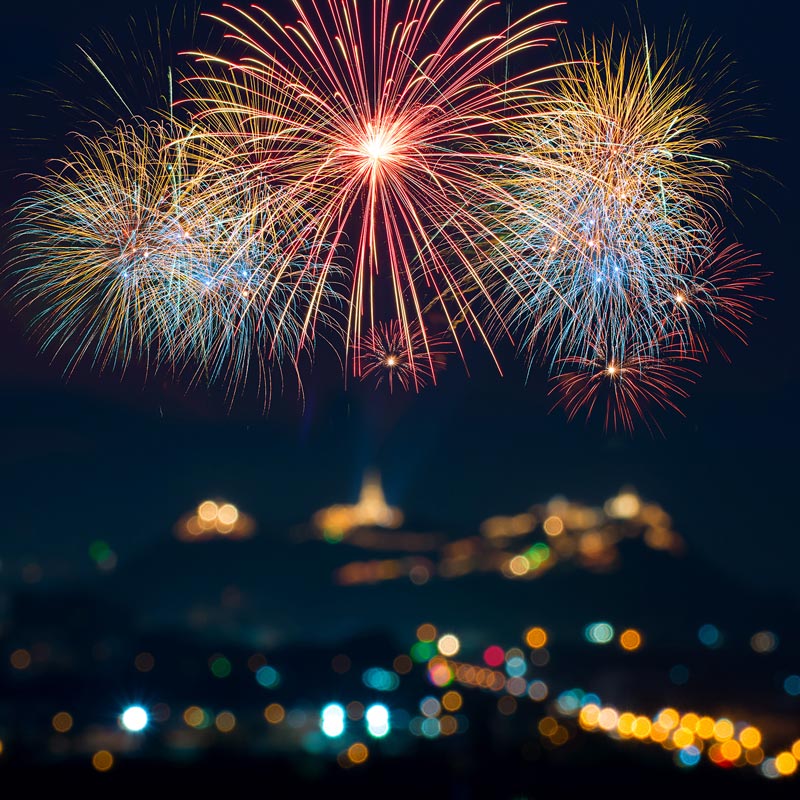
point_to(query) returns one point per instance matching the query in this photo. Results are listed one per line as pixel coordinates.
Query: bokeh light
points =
(134, 719)
(357, 753)
(274, 713)
(332, 720)
(62, 722)
(268, 677)
(448, 645)
(225, 721)
(630, 639)
(709, 635)
(377, 716)
(536, 638)
(791, 685)
(599, 632)
(102, 761)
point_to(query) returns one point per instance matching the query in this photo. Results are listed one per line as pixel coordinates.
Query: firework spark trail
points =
(364, 116)
(723, 292)
(253, 281)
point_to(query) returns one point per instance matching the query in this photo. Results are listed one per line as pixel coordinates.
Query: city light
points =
(134, 719)
(377, 717)
(332, 720)
(599, 632)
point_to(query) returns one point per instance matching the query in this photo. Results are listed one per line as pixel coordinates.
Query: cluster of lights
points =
(338, 728)
(200, 719)
(557, 532)
(575, 532)
(762, 642)
(334, 716)
(603, 633)
(599, 632)
(332, 719)
(371, 510)
(689, 735)
(214, 518)
(382, 680)
(503, 671)
(417, 569)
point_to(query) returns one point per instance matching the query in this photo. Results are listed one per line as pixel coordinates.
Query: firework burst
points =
(126, 252)
(616, 192)
(720, 295)
(353, 167)
(618, 273)
(96, 246)
(378, 129)
(625, 384)
(389, 355)
(252, 282)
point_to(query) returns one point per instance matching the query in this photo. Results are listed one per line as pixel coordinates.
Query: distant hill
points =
(271, 589)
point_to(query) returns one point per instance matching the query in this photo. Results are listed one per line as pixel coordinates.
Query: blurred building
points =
(338, 521)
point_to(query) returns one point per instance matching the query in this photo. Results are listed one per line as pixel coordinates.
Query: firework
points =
(624, 382)
(131, 70)
(97, 248)
(616, 192)
(355, 165)
(720, 295)
(389, 355)
(252, 284)
(127, 252)
(377, 130)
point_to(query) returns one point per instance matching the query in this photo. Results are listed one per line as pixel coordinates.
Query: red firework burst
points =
(381, 128)
(722, 293)
(388, 354)
(625, 386)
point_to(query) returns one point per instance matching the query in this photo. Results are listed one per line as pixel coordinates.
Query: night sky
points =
(121, 458)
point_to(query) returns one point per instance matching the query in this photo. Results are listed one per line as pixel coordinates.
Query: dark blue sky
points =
(103, 458)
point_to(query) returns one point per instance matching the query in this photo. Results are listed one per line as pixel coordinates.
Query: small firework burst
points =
(391, 357)
(721, 294)
(625, 385)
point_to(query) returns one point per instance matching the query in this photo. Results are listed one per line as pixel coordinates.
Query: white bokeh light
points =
(377, 720)
(332, 720)
(134, 719)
